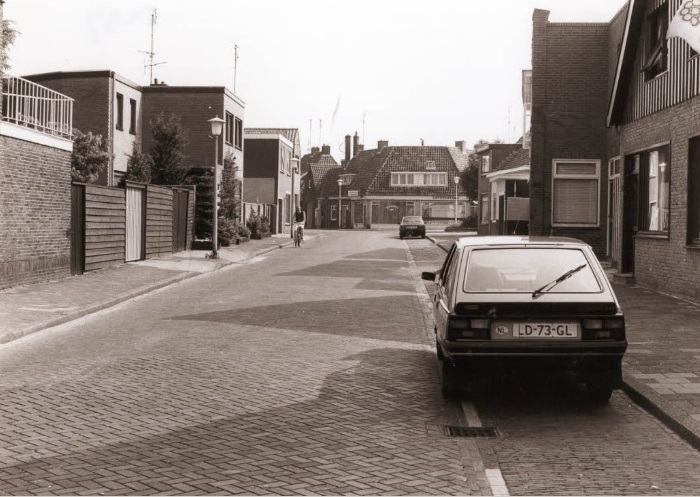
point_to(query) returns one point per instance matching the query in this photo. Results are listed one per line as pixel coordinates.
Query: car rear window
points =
(526, 269)
(412, 219)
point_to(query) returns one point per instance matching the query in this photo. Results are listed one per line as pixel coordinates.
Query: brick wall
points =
(570, 94)
(36, 210)
(92, 92)
(668, 265)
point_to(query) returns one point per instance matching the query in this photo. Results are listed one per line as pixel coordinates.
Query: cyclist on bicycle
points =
(299, 220)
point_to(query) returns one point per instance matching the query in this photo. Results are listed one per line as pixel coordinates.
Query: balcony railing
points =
(28, 104)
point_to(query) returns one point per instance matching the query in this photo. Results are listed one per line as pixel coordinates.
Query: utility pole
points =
(151, 53)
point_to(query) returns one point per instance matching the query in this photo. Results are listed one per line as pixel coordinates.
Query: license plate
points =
(545, 330)
(411, 227)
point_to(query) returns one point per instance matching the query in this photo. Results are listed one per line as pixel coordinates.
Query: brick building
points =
(35, 174)
(491, 157)
(314, 167)
(121, 111)
(616, 142)
(272, 173)
(382, 185)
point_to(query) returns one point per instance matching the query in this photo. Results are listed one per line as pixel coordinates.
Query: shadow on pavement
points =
(335, 317)
(364, 431)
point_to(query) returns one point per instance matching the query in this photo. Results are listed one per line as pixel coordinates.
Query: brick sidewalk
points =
(31, 308)
(661, 368)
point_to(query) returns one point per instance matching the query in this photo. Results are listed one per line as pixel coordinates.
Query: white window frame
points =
(485, 163)
(418, 179)
(589, 177)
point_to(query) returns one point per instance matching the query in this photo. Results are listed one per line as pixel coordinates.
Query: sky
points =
(409, 72)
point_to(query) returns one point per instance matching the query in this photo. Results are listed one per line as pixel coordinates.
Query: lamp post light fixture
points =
(456, 184)
(217, 125)
(340, 204)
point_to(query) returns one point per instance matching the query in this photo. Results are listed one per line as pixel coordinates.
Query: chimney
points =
(314, 150)
(355, 144)
(381, 144)
(326, 150)
(348, 150)
(461, 145)
(360, 148)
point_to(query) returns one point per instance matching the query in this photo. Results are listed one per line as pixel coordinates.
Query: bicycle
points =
(298, 235)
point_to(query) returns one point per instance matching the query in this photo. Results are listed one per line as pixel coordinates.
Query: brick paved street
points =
(304, 371)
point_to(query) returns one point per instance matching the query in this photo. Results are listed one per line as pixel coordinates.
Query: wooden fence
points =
(101, 236)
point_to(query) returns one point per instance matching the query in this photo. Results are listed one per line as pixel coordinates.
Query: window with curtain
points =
(654, 193)
(576, 193)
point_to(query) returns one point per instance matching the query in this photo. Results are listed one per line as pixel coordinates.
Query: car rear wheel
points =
(599, 392)
(450, 380)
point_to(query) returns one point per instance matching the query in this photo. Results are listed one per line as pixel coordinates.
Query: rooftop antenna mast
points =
(310, 133)
(151, 53)
(235, 66)
(364, 116)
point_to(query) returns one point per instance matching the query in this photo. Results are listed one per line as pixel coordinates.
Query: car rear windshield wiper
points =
(552, 284)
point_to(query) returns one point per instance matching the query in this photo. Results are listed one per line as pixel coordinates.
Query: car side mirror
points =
(427, 276)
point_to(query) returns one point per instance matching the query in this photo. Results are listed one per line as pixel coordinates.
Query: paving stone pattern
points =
(308, 373)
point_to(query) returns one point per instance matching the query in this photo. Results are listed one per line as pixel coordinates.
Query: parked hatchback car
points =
(412, 226)
(526, 302)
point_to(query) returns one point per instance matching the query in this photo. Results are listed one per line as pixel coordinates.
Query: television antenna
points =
(151, 53)
(235, 66)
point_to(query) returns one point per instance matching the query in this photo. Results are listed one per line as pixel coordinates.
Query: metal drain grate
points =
(469, 432)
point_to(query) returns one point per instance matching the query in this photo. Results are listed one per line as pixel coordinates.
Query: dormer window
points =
(656, 61)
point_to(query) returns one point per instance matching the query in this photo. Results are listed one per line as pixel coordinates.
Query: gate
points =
(180, 201)
(615, 211)
(135, 223)
(77, 227)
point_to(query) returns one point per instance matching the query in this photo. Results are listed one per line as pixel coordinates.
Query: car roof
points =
(502, 241)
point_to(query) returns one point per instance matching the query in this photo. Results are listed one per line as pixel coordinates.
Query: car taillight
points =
(604, 329)
(460, 328)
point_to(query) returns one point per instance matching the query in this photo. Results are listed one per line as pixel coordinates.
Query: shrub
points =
(254, 224)
(467, 224)
(228, 231)
(241, 230)
(264, 224)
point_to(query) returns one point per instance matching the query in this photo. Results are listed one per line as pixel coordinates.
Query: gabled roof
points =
(623, 73)
(461, 160)
(316, 157)
(373, 168)
(517, 158)
(319, 169)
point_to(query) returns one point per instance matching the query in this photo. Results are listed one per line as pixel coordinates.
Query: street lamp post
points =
(295, 169)
(340, 204)
(456, 184)
(216, 128)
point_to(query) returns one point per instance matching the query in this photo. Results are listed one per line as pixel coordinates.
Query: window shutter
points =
(575, 201)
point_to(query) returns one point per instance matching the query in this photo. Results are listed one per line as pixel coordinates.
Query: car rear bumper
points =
(573, 349)
(412, 232)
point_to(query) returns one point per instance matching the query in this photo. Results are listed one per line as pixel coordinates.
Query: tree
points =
(168, 151)
(469, 178)
(229, 189)
(204, 207)
(8, 38)
(139, 165)
(89, 158)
